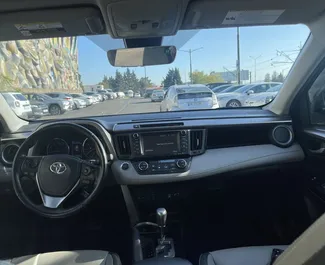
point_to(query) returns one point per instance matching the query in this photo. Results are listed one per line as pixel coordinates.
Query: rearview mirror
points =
(142, 56)
(249, 92)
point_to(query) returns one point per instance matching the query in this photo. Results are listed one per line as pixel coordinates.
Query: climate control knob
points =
(181, 163)
(143, 166)
(135, 136)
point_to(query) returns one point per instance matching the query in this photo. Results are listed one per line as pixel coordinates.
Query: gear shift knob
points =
(161, 217)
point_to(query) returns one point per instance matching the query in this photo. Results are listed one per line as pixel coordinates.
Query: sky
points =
(275, 46)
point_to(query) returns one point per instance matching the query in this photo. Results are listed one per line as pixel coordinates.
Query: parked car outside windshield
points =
(189, 97)
(238, 97)
(255, 100)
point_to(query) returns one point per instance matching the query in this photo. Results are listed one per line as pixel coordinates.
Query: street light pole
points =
(255, 59)
(238, 58)
(190, 51)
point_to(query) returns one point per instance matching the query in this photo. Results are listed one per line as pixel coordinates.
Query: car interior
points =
(209, 187)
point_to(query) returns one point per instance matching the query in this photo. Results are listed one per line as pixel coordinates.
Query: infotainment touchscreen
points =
(158, 144)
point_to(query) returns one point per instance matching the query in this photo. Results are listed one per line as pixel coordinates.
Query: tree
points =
(104, 82)
(173, 77)
(280, 78)
(119, 81)
(267, 78)
(112, 83)
(199, 77)
(274, 76)
(177, 77)
(144, 82)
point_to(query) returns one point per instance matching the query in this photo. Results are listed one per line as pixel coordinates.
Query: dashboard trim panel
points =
(214, 162)
(122, 127)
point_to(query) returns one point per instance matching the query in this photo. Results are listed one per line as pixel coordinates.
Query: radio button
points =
(181, 163)
(143, 166)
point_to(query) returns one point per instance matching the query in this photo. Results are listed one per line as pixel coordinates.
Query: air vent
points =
(196, 140)
(123, 144)
(8, 153)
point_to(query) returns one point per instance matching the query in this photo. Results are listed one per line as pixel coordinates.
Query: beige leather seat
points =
(80, 257)
(240, 256)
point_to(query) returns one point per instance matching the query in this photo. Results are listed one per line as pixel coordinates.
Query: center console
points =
(163, 251)
(160, 152)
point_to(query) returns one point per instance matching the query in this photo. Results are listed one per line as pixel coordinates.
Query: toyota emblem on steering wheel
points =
(58, 168)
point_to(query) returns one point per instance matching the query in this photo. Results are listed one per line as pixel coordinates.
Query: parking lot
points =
(112, 107)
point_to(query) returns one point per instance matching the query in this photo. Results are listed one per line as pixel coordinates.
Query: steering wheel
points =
(58, 176)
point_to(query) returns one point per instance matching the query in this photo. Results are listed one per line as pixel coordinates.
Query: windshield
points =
(62, 67)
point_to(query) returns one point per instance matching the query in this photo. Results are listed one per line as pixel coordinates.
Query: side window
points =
(260, 88)
(316, 96)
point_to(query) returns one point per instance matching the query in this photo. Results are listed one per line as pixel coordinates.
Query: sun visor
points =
(141, 18)
(217, 14)
(51, 23)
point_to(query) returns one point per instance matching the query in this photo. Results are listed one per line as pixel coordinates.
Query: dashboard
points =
(167, 148)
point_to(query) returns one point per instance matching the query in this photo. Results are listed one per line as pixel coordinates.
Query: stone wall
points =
(39, 65)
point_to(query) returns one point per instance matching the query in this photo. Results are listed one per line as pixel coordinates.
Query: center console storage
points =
(164, 261)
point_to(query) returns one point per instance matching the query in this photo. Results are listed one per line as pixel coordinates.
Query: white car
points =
(120, 94)
(238, 97)
(80, 103)
(255, 100)
(189, 97)
(157, 96)
(95, 96)
(137, 95)
(19, 104)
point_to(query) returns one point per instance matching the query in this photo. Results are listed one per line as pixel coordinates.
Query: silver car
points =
(255, 100)
(63, 96)
(189, 97)
(238, 97)
(157, 95)
(87, 99)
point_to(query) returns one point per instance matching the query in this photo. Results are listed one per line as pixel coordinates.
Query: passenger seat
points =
(240, 256)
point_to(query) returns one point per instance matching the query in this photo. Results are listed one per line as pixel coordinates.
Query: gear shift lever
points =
(161, 214)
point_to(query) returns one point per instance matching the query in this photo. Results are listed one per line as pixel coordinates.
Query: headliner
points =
(192, 15)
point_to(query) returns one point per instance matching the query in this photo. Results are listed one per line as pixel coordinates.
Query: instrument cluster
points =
(85, 148)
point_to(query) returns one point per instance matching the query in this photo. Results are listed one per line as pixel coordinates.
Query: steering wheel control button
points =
(181, 163)
(125, 166)
(143, 166)
(86, 170)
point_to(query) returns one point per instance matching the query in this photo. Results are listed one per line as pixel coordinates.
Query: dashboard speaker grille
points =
(196, 140)
(123, 144)
(282, 135)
